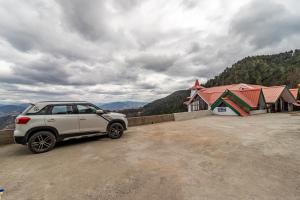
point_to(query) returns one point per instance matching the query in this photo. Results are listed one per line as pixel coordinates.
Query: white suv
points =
(42, 124)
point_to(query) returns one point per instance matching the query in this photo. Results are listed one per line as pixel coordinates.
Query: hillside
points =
(169, 104)
(8, 109)
(276, 69)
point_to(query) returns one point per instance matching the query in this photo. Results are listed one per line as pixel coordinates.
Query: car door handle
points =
(82, 119)
(51, 120)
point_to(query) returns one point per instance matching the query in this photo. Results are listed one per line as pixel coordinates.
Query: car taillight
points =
(22, 120)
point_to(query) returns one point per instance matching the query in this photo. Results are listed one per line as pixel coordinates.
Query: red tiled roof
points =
(209, 98)
(249, 93)
(294, 92)
(272, 93)
(236, 107)
(239, 86)
(250, 96)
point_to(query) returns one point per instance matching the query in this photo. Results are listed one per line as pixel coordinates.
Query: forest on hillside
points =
(268, 70)
(170, 104)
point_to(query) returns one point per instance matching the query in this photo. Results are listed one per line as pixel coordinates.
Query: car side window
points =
(86, 109)
(44, 111)
(62, 110)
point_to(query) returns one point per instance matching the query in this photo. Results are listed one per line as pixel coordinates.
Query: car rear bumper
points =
(20, 140)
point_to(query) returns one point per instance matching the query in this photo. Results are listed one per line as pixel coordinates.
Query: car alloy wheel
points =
(116, 130)
(41, 142)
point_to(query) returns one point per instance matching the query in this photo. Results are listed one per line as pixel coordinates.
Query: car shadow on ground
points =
(23, 150)
(77, 141)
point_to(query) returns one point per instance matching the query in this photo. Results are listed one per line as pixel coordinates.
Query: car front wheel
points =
(41, 142)
(115, 130)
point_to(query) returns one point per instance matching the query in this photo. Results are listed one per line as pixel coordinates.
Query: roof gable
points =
(249, 96)
(295, 92)
(235, 107)
(209, 98)
(272, 94)
(238, 99)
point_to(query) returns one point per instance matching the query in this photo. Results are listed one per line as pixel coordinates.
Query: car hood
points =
(114, 115)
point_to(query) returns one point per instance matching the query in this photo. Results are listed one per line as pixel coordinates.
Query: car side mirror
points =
(99, 112)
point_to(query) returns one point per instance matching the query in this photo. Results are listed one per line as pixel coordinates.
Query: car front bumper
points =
(126, 123)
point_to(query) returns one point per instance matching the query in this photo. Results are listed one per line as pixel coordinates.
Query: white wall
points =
(189, 108)
(227, 111)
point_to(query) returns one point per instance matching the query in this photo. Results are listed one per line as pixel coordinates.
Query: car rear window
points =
(27, 109)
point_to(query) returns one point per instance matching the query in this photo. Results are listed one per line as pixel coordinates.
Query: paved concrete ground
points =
(215, 157)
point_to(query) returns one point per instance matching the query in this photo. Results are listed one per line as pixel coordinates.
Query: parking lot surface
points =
(215, 157)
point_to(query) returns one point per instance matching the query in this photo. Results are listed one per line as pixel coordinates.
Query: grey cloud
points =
(190, 3)
(51, 70)
(114, 50)
(195, 47)
(86, 17)
(158, 63)
(265, 23)
(40, 71)
(147, 86)
(22, 42)
(126, 5)
(36, 28)
(92, 19)
(98, 91)
(39, 92)
(46, 71)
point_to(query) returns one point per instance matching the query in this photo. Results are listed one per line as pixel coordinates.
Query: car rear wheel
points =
(115, 130)
(41, 142)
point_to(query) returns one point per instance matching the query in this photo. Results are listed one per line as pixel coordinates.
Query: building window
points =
(195, 106)
(221, 109)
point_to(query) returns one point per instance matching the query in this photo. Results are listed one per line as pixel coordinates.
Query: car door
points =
(63, 118)
(89, 121)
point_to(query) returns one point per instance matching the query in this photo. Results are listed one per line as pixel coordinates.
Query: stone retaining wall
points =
(136, 121)
(6, 137)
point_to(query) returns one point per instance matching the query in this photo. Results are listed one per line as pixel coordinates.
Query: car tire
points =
(115, 130)
(41, 142)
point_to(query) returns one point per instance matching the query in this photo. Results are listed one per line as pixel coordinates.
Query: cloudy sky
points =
(115, 50)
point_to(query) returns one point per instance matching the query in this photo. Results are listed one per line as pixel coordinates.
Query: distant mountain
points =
(12, 109)
(268, 70)
(122, 105)
(169, 104)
